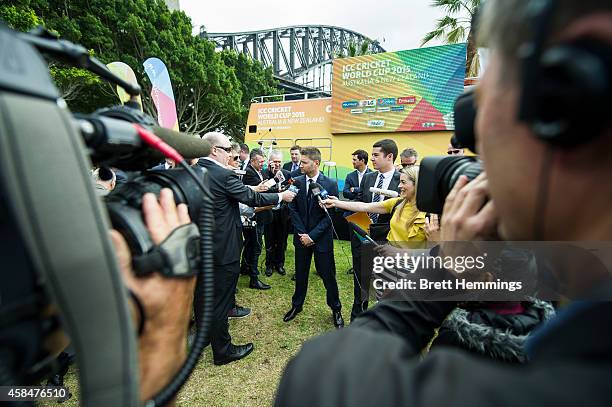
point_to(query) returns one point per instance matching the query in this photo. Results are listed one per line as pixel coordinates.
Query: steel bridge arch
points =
(295, 53)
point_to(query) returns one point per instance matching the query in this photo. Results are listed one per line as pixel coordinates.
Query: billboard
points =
(290, 119)
(412, 90)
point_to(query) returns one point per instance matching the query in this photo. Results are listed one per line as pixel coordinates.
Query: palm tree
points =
(456, 27)
(354, 49)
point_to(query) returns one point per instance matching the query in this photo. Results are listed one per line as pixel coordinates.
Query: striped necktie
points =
(377, 198)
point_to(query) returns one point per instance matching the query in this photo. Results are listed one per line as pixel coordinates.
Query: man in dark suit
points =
(293, 166)
(254, 235)
(228, 191)
(384, 153)
(313, 235)
(276, 231)
(353, 179)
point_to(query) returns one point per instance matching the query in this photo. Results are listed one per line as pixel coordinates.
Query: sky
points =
(396, 24)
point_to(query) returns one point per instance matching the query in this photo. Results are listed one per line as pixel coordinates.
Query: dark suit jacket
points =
(227, 190)
(288, 166)
(312, 219)
(251, 178)
(352, 181)
(369, 180)
(268, 175)
(569, 363)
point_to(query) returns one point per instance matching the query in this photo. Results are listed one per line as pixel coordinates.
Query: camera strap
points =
(177, 256)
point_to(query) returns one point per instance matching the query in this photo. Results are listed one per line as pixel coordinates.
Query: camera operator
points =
(375, 361)
(166, 303)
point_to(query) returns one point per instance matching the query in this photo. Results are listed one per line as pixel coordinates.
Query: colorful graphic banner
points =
(162, 94)
(291, 119)
(412, 90)
(123, 70)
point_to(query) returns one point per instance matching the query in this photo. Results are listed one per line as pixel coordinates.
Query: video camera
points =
(59, 274)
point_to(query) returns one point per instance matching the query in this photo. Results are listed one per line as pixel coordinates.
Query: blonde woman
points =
(407, 223)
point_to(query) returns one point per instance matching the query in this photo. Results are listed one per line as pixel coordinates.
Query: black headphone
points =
(566, 88)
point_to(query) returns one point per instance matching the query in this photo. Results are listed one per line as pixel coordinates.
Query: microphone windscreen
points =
(187, 145)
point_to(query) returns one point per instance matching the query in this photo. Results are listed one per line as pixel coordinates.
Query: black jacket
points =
(369, 180)
(251, 178)
(289, 165)
(311, 218)
(352, 181)
(376, 362)
(227, 190)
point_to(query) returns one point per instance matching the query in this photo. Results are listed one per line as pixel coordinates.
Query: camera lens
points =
(438, 175)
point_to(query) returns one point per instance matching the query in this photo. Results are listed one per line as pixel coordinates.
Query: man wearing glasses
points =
(227, 191)
(408, 158)
(454, 151)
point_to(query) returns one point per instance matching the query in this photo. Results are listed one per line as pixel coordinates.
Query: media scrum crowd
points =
(546, 178)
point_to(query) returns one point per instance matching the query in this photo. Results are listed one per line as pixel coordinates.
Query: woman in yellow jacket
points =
(407, 224)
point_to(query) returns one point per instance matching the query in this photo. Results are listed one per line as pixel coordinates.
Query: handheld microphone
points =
(320, 193)
(386, 192)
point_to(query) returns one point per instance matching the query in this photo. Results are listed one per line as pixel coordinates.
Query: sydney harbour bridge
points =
(300, 56)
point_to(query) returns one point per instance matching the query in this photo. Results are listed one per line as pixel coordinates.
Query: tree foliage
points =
(456, 27)
(212, 90)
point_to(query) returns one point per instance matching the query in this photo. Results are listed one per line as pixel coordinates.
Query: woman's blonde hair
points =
(412, 173)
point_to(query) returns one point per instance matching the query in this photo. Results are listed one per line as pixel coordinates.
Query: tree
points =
(456, 27)
(354, 49)
(207, 92)
(255, 80)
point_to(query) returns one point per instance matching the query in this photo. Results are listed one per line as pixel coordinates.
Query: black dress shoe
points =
(292, 313)
(236, 352)
(338, 320)
(238, 312)
(281, 270)
(269, 271)
(258, 285)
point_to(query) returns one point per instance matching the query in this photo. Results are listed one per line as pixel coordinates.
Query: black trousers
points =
(253, 239)
(276, 234)
(325, 265)
(226, 278)
(361, 279)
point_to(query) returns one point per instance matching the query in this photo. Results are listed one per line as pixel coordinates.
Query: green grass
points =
(253, 381)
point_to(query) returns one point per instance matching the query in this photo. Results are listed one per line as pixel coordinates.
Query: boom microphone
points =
(117, 143)
(386, 192)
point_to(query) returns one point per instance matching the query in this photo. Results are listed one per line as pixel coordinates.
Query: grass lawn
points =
(252, 381)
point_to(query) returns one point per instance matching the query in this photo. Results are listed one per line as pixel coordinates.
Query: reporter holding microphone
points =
(407, 223)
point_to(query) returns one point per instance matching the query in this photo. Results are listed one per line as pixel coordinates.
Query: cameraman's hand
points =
(432, 228)
(167, 302)
(468, 213)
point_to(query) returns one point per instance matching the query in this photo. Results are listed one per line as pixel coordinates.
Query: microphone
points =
(362, 233)
(320, 193)
(117, 143)
(386, 192)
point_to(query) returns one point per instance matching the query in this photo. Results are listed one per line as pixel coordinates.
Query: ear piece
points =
(572, 97)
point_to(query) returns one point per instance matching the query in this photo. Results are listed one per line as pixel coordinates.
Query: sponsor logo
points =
(369, 110)
(349, 104)
(356, 111)
(386, 101)
(408, 100)
(397, 108)
(384, 109)
(367, 103)
(376, 123)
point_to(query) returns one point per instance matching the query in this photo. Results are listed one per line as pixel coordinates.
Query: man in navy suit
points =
(313, 235)
(293, 166)
(353, 179)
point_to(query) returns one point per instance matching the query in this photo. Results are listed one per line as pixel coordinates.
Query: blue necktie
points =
(376, 198)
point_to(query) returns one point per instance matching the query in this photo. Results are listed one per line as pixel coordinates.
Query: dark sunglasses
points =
(453, 152)
(236, 157)
(226, 149)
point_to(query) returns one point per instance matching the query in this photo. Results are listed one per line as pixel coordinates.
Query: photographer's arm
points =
(167, 302)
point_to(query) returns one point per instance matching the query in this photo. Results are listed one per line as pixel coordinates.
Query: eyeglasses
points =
(408, 165)
(226, 149)
(236, 157)
(453, 152)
